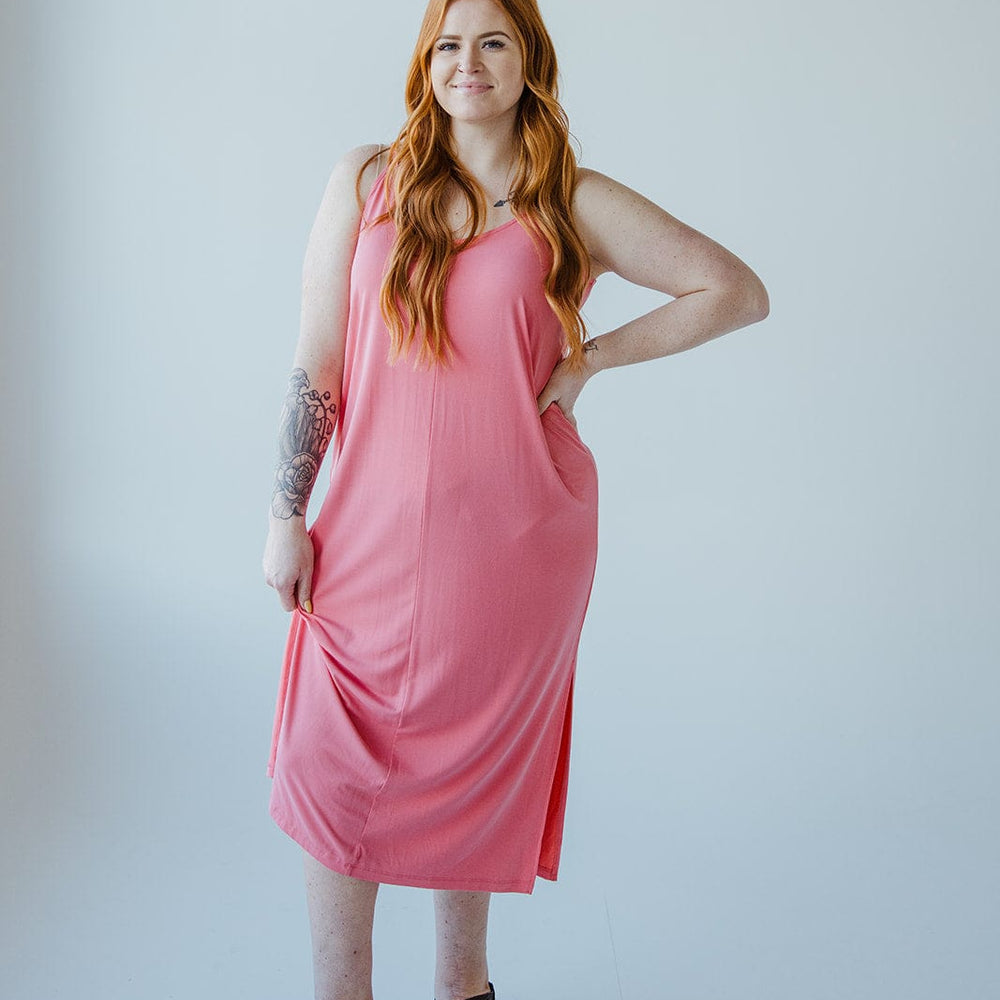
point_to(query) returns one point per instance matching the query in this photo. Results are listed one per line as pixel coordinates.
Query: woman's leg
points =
(460, 919)
(341, 913)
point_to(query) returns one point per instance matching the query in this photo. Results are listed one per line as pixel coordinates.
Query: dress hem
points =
(331, 861)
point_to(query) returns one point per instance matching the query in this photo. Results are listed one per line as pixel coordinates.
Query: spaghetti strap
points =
(375, 203)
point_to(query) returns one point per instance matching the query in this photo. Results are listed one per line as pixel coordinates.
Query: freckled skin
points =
(463, 57)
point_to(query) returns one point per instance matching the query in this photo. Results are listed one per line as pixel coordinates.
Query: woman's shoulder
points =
(587, 175)
(590, 191)
(365, 162)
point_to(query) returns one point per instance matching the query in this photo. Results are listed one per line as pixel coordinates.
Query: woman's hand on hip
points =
(563, 388)
(288, 562)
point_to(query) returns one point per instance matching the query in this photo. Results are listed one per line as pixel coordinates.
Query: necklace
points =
(510, 194)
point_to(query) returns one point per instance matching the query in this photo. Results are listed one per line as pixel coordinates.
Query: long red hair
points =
(421, 166)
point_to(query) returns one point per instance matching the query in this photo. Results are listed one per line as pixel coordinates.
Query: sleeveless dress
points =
(422, 729)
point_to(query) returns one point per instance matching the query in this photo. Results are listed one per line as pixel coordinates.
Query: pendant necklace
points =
(510, 194)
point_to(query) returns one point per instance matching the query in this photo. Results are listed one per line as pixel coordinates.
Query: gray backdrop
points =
(784, 773)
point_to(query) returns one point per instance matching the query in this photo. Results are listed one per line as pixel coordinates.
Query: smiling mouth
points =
(472, 88)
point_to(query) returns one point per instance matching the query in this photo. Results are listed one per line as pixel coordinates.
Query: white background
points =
(784, 779)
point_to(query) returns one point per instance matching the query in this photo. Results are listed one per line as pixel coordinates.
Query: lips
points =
(472, 88)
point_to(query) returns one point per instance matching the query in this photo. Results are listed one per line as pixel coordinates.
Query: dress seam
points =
(413, 624)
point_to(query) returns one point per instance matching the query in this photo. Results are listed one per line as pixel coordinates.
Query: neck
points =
(485, 151)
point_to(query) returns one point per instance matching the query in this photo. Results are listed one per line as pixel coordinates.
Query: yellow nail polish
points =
(308, 605)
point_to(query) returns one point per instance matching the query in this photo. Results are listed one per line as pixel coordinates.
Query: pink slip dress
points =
(422, 727)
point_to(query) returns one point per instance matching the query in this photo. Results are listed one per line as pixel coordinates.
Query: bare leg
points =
(461, 919)
(341, 913)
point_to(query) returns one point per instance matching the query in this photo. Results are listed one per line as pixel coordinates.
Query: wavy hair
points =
(421, 166)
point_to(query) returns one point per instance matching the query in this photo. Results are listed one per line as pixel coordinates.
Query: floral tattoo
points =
(306, 428)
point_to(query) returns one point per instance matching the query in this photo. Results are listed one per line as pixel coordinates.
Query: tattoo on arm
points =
(590, 345)
(306, 428)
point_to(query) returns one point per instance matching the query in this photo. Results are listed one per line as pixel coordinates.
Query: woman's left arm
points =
(713, 291)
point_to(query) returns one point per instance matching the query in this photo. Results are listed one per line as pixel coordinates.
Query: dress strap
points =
(376, 202)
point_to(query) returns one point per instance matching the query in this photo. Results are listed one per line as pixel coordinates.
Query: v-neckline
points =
(486, 232)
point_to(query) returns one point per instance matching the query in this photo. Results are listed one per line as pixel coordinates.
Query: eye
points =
(445, 46)
(495, 43)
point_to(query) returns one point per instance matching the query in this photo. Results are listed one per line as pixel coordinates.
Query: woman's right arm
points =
(309, 413)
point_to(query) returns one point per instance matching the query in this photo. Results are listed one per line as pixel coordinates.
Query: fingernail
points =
(308, 605)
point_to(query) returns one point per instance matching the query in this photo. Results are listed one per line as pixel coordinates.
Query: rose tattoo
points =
(305, 431)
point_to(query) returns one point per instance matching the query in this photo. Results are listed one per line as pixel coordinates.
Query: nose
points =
(470, 62)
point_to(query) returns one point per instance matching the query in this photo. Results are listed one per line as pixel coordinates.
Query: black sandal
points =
(486, 996)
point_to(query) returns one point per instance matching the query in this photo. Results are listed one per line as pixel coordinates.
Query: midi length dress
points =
(423, 721)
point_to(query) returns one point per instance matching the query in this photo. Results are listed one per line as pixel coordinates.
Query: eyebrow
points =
(485, 34)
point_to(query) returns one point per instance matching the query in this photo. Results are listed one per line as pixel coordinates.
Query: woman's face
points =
(476, 63)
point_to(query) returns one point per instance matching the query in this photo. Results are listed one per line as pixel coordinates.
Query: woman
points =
(423, 723)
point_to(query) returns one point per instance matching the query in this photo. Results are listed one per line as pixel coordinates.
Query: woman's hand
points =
(565, 385)
(288, 562)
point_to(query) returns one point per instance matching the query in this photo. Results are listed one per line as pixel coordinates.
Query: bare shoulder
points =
(592, 190)
(588, 184)
(587, 193)
(641, 241)
(334, 233)
(608, 214)
(607, 211)
(344, 177)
